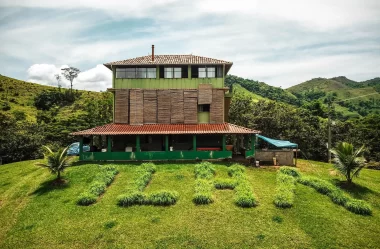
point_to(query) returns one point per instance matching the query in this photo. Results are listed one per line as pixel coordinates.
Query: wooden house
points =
(166, 107)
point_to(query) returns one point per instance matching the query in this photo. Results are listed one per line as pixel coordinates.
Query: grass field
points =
(34, 214)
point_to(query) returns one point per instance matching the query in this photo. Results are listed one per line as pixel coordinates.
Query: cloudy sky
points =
(282, 43)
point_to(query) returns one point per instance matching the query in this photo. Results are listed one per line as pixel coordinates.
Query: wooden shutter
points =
(121, 106)
(176, 107)
(163, 106)
(217, 106)
(136, 106)
(150, 106)
(204, 94)
(190, 106)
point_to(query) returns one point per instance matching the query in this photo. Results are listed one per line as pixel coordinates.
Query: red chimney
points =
(152, 52)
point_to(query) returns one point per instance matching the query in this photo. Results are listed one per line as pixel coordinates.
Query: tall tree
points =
(70, 73)
(58, 78)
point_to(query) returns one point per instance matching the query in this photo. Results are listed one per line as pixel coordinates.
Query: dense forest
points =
(33, 115)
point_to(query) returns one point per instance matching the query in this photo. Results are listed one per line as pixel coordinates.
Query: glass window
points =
(202, 72)
(211, 72)
(168, 72)
(141, 73)
(177, 72)
(204, 108)
(151, 73)
(130, 73)
(120, 73)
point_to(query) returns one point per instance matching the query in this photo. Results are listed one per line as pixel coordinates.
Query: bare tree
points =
(58, 78)
(70, 73)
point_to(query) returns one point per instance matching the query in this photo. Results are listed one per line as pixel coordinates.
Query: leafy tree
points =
(70, 73)
(57, 161)
(58, 78)
(347, 161)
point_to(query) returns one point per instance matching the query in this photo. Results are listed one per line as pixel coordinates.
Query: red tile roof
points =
(126, 129)
(168, 59)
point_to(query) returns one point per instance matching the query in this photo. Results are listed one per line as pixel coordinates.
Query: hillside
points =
(35, 214)
(343, 88)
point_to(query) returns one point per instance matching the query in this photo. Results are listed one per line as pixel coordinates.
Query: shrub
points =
(86, 198)
(163, 198)
(221, 183)
(358, 207)
(337, 196)
(97, 188)
(244, 196)
(204, 170)
(322, 186)
(236, 170)
(203, 192)
(134, 198)
(284, 197)
(149, 167)
(290, 171)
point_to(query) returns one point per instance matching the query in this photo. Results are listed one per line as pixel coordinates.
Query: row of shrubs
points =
(204, 172)
(243, 192)
(286, 185)
(135, 195)
(322, 186)
(336, 195)
(102, 180)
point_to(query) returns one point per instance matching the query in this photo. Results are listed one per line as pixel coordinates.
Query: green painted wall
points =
(154, 155)
(203, 117)
(185, 83)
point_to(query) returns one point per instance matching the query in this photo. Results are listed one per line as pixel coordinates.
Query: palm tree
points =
(56, 161)
(348, 161)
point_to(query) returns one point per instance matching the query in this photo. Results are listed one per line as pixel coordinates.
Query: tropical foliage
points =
(348, 161)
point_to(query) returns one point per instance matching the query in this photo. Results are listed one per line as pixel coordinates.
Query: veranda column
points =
(224, 143)
(194, 142)
(109, 144)
(137, 143)
(81, 148)
(166, 143)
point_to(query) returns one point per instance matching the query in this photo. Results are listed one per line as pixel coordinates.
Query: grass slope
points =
(34, 214)
(20, 96)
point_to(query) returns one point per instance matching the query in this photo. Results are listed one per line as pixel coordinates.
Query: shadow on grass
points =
(51, 185)
(358, 191)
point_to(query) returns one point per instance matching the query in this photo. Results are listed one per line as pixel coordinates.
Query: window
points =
(151, 73)
(211, 72)
(206, 72)
(130, 73)
(133, 73)
(173, 72)
(204, 108)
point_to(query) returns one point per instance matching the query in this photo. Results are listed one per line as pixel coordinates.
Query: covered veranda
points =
(113, 142)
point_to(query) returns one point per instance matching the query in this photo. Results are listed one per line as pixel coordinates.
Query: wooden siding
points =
(176, 107)
(204, 94)
(163, 104)
(150, 106)
(121, 106)
(136, 106)
(217, 106)
(190, 106)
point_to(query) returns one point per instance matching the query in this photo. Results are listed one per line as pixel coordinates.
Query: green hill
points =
(36, 214)
(361, 98)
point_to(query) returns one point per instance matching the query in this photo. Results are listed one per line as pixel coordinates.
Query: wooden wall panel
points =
(190, 106)
(204, 94)
(150, 106)
(136, 101)
(121, 106)
(176, 107)
(163, 106)
(217, 107)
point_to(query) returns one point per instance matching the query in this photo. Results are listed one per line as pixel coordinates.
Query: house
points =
(166, 107)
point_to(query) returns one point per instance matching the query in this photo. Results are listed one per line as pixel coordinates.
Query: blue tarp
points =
(278, 143)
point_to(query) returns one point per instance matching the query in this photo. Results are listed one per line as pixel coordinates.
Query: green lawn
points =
(33, 214)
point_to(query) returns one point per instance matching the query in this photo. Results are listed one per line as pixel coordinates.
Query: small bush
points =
(277, 219)
(203, 192)
(204, 170)
(337, 196)
(148, 167)
(86, 198)
(358, 207)
(134, 198)
(163, 198)
(244, 196)
(221, 183)
(322, 186)
(97, 188)
(284, 197)
(290, 171)
(236, 170)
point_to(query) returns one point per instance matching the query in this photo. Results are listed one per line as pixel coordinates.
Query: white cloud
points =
(98, 78)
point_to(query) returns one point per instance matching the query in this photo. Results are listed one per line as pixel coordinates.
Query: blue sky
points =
(282, 43)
